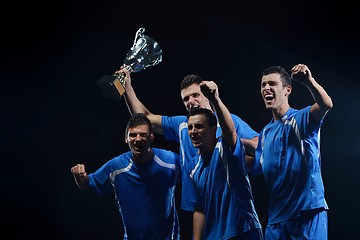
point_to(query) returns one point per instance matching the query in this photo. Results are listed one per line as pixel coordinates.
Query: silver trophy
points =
(144, 53)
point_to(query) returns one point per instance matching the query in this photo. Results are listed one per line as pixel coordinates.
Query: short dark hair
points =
(138, 119)
(284, 75)
(189, 80)
(210, 116)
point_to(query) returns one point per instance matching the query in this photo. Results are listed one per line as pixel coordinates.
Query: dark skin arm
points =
(323, 103)
(80, 176)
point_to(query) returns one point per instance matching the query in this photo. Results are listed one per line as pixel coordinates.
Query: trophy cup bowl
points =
(144, 53)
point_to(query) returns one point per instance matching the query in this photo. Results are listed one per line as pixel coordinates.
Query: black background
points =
(53, 115)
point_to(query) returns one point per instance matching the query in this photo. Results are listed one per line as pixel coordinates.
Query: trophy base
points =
(111, 87)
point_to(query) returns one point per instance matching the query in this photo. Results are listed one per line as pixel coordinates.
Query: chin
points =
(269, 106)
(196, 145)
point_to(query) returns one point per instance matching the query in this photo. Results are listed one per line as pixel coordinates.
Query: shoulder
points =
(179, 118)
(164, 152)
(173, 121)
(234, 116)
(297, 113)
(118, 162)
(238, 119)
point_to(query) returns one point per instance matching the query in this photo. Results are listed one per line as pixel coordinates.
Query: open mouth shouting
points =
(268, 97)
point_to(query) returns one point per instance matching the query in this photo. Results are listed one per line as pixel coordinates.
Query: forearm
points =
(320, 95)
(82, 180)
(323, 102)
(250, 145)
(136, 106)
(133, 103)
(225, 121)
(301, 73)
(198, 225)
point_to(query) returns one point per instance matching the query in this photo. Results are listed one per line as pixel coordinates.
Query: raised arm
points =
(210, 90)
(80, 176)
(136, 106)
(323, 103)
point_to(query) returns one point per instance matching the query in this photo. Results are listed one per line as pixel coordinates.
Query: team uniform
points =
(223, 193)
(175, 129)
(144, 193)
(288, 154)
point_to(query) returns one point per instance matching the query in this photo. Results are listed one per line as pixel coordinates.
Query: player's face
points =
(201, 134)
(139, 139)
(273, 92)
(193, 97)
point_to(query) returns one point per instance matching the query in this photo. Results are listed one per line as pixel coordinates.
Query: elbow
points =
(329, 104)
(325, 103)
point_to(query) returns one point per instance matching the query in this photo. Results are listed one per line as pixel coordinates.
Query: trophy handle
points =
(139, 34)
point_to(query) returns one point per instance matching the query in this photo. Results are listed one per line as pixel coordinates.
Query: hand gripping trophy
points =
(144, 53)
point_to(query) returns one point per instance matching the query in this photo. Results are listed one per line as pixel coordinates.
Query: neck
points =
(145, 157)
(208, 148)
(279, 112)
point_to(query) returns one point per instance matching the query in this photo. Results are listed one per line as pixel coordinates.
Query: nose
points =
(191, 102)
(192, 131)
(266, 86)
(138, 137)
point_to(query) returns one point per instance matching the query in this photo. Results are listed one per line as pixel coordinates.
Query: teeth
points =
(268, 96)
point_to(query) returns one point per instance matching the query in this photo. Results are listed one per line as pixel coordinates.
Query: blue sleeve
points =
(176, 161)
(171, 126)
(243, 129)
(257, 168)
(304, 122)
(178, 170)
(190, 196)
(99, 181)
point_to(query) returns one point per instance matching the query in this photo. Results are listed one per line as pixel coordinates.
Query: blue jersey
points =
(223, 192)
(144, 193)
(175, 129)
(288, 154)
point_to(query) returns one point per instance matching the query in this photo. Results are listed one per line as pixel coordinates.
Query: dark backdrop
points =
(53, 115)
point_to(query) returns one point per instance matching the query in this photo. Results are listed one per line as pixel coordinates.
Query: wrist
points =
(79, 175)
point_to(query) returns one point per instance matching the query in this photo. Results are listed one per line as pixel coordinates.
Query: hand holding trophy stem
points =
(119, 81)
(144, 53)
